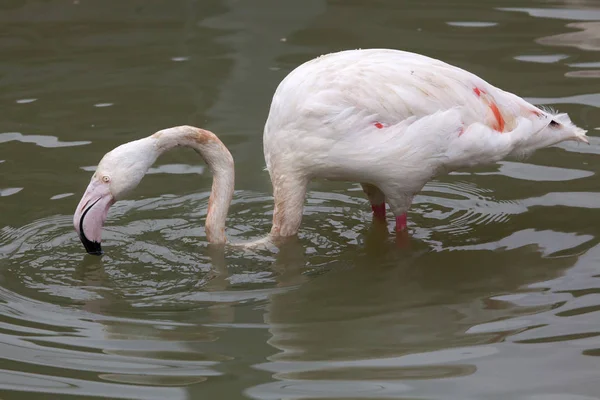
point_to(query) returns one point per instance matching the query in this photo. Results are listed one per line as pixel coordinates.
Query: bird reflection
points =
(369, 306)
(390, 302)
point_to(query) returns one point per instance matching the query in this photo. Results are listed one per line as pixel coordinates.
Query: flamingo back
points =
(363, 101)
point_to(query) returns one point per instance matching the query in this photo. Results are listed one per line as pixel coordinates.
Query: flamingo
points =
(390, 120)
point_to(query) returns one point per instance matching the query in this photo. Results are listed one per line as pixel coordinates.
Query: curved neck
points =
(220, 163)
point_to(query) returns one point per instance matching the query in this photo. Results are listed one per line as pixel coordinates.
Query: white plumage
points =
(393, 120)
(388, 119)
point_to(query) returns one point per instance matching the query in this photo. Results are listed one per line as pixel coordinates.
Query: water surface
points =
(497, 296)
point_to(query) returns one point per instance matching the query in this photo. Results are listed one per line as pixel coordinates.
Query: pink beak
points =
(90, 215)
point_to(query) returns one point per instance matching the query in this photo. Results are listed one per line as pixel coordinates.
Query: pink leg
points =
(378, 211)
(400, 204)
(377, 200)
(401, 223)
(402, 236)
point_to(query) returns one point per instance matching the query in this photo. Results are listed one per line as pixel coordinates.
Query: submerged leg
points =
(400, 203)
(377, 200)
(401, 222)
(289, 194)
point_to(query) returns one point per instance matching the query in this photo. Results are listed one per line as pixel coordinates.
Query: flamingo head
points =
(117, 174)
(561, 127)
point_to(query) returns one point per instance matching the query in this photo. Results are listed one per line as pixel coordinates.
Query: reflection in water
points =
(373, 319)
(101, 331)
(66, 349)
(390, 305)
(391, 321)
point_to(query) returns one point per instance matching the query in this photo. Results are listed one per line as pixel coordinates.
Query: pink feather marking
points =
(378, 125)
(378, 211)
(401, 223)
(478, 91)
(498, 116)
(500, 123)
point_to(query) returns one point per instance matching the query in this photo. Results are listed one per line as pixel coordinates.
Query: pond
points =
(496, 297)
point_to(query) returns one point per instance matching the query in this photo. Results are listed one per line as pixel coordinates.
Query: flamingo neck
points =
(220, 163)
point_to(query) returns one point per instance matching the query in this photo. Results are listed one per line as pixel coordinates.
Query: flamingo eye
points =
(106, 179)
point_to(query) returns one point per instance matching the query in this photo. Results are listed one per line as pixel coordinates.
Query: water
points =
(497, 297)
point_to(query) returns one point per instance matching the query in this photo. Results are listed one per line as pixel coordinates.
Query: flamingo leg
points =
(377, 200)
(400, 203)
(402, 236)
(401, 222)
(289, 194)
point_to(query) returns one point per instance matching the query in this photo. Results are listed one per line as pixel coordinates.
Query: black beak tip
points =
(98, 252)
(93, 248)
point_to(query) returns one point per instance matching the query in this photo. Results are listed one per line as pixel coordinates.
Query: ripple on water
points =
(583, 74)
(60, 310)
(543, 59)
(379, 377)
(460, 206)
(537, 173)
(135, 316)
(58, 337)
(163, 315)
(112, 319)
(585, 65)
(61, 196)
(472, 24)
(156, 253)
(558, 13)
(40, 140)
(334, 389)
(37, 383)
(9, 191)
(585, 38)
(590, 99)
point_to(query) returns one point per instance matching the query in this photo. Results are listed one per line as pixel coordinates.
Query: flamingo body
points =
(392, 120)
(388, 119)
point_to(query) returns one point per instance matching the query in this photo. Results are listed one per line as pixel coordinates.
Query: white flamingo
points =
(388, 119)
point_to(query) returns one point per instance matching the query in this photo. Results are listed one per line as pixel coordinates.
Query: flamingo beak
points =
(90, 215)
(581, 138)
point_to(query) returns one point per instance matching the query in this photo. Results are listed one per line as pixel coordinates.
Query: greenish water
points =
(497, 297)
